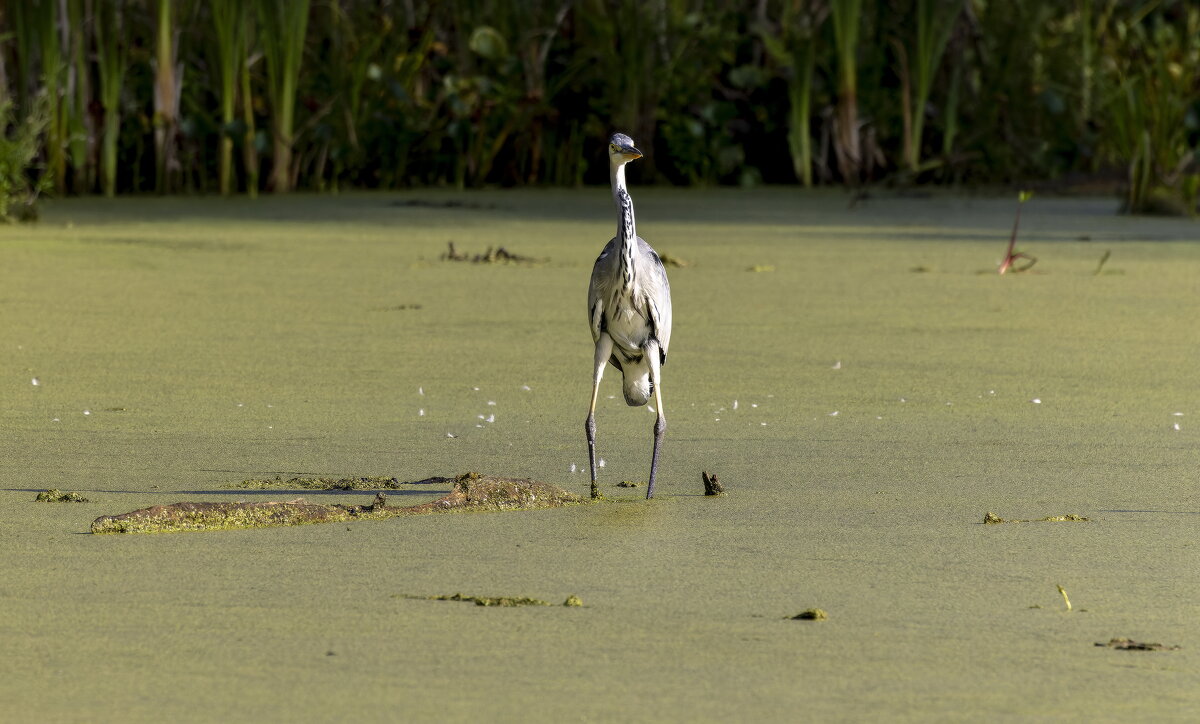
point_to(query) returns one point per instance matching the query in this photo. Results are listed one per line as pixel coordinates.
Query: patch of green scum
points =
(54, 495)
(504, 601)
(812, 614)
(367, 482)
(573, 601)
(992, 519)
(628, 484)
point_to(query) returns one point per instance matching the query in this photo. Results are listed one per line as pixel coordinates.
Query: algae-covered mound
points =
(471, 491)
(226, 516)
(54, 495)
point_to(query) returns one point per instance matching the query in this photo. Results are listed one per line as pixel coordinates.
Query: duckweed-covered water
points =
(864, 385)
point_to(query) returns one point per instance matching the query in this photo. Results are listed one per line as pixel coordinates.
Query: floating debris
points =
(54, 495)
(397, 308)
(991, 518)
(1066, 600)
(36, 382)
(1128, 644)
(759, 268)
(493, 255)
(628, 484)
(812, 614)
(471, 492)
(675, 262)
(504, 601)
(711, 485)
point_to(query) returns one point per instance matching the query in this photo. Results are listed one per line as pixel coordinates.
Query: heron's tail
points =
(636, 384)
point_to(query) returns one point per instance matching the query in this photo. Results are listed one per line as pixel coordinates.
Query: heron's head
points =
(621, 150)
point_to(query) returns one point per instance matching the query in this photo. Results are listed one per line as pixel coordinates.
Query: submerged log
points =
(471, 491)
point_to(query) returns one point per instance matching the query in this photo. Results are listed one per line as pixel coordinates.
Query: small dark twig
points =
(1011, 256)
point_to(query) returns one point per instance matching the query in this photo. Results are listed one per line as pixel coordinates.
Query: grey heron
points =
(629, 308)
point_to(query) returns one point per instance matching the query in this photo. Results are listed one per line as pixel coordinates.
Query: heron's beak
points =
(631, 152)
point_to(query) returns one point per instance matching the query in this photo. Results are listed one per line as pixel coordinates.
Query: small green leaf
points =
(487, 42)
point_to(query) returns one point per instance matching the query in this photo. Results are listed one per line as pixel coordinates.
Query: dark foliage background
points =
(268, 95)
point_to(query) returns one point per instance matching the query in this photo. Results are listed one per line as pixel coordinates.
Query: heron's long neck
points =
(626, 229)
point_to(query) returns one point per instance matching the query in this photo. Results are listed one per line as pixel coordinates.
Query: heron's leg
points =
(604, 347)
(660, 422)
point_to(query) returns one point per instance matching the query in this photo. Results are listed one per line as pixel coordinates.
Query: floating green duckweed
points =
(573, 600)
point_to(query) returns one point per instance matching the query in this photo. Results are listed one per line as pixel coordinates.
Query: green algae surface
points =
(184, 345)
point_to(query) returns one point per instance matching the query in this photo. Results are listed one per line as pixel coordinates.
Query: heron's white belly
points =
(628, 329)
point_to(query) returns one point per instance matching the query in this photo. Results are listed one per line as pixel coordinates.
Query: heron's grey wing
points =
(658, 294)
(601, 278)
